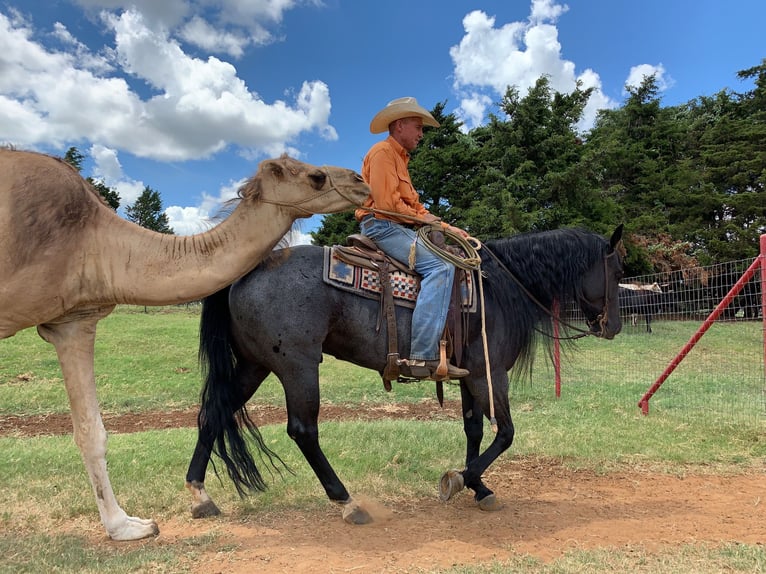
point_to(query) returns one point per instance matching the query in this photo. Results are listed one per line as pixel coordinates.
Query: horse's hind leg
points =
(248, 379)
(302, 397)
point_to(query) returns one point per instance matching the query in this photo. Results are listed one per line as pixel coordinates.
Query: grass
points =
(687, 559)
(708, 417)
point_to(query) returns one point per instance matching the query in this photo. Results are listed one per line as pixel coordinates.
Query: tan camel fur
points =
(66, 260)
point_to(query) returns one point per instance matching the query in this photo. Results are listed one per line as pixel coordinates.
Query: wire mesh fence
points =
(722, 376)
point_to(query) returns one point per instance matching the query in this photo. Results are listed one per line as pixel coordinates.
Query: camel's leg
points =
(74, 343)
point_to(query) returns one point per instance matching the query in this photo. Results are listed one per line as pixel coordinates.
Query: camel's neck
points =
(148, 268)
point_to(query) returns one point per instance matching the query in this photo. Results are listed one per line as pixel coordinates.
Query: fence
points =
(693, 341)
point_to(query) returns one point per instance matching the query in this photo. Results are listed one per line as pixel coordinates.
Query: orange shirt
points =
(385, 170)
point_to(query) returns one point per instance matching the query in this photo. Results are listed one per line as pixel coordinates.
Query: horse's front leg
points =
(477, 462)
(74, 343)
(302, 399)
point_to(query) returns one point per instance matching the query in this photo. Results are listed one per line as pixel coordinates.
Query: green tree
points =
(732, 164)
(688, 181)
(633, 154)
(75, 158)
(110, 195)
(147, 212)
(335, 228)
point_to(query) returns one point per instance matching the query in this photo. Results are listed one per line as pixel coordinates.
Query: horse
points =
(641, 300)
(282, 317)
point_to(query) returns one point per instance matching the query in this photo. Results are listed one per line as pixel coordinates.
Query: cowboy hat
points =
(398, 109)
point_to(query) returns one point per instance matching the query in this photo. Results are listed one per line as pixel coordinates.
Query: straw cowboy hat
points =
(398, 109)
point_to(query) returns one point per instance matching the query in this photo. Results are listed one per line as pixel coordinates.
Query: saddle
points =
(363, 252)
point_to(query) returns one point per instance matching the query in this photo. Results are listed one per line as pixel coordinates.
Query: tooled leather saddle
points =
(396, 284)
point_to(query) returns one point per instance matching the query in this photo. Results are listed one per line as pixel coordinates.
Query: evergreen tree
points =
(335, 228)
(688, 181)
(110, 195)
(75, 158)
(147, 212)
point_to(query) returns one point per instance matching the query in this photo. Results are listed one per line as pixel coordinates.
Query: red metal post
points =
(746, 276)
(763, 302)
(556, 348)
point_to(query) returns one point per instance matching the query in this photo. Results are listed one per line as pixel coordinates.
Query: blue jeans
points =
(430, 312)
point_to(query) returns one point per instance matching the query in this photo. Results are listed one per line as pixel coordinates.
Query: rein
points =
(472, 262)
(602, 317)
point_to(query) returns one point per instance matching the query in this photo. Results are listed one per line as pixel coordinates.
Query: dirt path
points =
(549, 510)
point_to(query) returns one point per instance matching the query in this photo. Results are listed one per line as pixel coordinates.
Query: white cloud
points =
(156, 101)
(146, 92)
(108, 169)
(638, 73)
(191, 220)
(296, 237)
(198, 32)
(473, 110)
(489, 59)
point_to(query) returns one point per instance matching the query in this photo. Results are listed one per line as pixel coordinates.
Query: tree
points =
(688, 181)
(335, 228)
(147, 212)
(110, 195)
(75, 158)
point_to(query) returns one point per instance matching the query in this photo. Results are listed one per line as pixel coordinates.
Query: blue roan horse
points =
(282, 317)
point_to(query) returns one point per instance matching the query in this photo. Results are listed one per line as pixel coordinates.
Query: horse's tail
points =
(223, 420)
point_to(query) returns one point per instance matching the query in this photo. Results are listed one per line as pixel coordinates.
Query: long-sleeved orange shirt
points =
(384, 169)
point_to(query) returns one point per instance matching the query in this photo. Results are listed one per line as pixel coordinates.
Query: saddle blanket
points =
(405, 286)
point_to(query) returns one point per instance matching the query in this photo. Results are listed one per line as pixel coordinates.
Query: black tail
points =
(223, 418)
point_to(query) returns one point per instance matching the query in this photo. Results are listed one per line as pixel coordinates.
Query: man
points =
(393, 227)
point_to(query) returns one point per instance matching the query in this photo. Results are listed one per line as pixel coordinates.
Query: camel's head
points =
(305, 188)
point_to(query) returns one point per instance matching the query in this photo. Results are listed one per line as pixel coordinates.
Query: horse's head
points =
(600, 291)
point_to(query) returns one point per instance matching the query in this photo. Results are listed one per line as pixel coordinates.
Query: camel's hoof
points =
(490, 503)
(205, 509)
(355, 514)
(135, 529)
(450, 484)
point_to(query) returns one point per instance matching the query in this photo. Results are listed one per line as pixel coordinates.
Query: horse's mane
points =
(549, 264)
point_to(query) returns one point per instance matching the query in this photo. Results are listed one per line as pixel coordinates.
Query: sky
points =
(188, 96)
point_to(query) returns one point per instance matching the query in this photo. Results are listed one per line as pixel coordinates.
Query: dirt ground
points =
(549, 509)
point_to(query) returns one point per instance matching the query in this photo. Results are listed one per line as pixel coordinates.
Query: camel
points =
(67, 259)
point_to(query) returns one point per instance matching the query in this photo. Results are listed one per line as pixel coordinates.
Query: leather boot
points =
(427, 370)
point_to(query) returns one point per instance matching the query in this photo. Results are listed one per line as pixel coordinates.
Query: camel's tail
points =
(223, 421)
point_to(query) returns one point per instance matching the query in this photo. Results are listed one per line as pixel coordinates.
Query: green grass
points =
(708, 417)
(689, 559)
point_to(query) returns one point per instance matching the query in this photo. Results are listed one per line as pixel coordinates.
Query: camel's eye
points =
(317, 179)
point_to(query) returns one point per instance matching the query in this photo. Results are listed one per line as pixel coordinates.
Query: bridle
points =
(601, 319)
(320, 193)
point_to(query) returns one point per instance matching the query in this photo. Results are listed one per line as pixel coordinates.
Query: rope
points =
(471, 262)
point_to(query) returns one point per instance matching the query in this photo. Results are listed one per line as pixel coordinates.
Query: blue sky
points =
(187, 96)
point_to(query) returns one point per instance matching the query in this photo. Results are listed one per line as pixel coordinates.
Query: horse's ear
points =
(616, 236)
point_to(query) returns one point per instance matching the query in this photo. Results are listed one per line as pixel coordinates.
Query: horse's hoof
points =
(355, 514)
(450, 484)
(490, 503)
(205, 509)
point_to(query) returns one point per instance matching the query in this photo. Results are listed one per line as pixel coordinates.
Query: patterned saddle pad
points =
(405, 286)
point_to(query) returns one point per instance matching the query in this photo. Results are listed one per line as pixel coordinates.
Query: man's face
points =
(409, 132)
